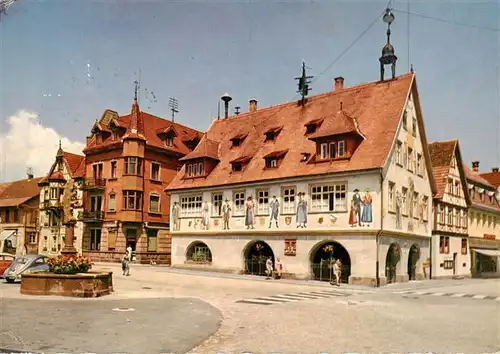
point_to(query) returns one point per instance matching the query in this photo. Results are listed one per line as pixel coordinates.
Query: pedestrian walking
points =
(279, 268)
(269, 268)
(336, 272)
(125, 265)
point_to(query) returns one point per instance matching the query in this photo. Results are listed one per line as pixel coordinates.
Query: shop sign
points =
(489, 236)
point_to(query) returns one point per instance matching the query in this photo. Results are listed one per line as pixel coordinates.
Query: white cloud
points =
(28, 143)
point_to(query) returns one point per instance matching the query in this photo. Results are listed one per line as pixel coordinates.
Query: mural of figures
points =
(205, 216)
(249, 213)
(226, 214)
(301, 217)
(176, 213)
(421, 206)
(367, 216)
(410, 204)
(399, 224)
(357, 201)
(274, 211)
(352, 214)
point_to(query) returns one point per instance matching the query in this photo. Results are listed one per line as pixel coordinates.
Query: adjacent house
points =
(129, 160)
(67, 172)
(341, 175)
(19, 216)
(484, 224)
(450, 247)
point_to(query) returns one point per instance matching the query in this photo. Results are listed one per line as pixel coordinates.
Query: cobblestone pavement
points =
(354, 320)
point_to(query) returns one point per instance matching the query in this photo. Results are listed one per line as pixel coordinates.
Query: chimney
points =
(252, 105)
(494, 169)
(226, 98)
(339, 83)
(475, 166)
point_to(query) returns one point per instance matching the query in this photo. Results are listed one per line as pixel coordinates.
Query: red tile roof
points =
(75, 165)
(476, 179)
(341, 123)
(73, 162)
(376, 106)
(151, 127)
(441, 153)
(205, 148)
(18, 192)
(492, 177)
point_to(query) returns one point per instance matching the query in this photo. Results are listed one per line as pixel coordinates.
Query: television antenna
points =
(174, 106)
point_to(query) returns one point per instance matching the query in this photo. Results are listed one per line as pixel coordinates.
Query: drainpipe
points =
(377, 265)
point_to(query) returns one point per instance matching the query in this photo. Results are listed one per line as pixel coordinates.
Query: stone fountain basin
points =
(91, 284)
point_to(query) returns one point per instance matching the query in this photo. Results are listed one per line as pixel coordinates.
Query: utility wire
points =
(448, 21)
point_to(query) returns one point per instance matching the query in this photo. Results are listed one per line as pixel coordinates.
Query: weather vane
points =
(304, 82)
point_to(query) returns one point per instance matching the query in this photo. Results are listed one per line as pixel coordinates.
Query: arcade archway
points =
(198, 252)
(321, 256)
(413, 257)
(391, 262)
(256, 254)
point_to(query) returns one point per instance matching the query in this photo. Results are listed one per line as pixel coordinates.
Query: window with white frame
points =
(53, 193)
(392, 196)
(155, 171)
(132, 200)
(95, 239)
(133, 166)
(288, 197)
(332, 150)
(239, 203)
(169, 141)
(441, 218)
(399, 146)
(415, 205)
(154, 203)
(113, 169)
(217, 204)
(419, 164)
(324, 150)
(425, 211)
(341, 148)
(112, 202)
(405, 120)
(404, 201)
(191, 205)
(405, 155)
(414, 127)
(262, 201)
(450, 216)
(410, 159)
(330, 197)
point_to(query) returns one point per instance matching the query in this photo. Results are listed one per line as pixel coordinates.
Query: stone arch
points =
(413, 259)
(198, 252)
(392, 260)
(320, 256)
(255, 254)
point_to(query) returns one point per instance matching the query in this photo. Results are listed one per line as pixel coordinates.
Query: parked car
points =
(25, 264)
(6, 260)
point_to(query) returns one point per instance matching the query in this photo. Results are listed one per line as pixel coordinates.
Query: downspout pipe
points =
(377, 237)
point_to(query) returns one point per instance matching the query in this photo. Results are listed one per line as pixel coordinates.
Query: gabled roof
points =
(18, 192)
(476, 179)
(337, 124)
(441, 154)
(75, 165)
(151, 125)
(492, 177)
(205, 148)
(377, 107)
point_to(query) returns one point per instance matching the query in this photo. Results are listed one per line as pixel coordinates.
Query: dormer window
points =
(169, 141)
(194, 169)
(237, 140)
(332, 150)
(305, 156)
(313, 125)
(274, 158)
(239, 164)
(272, 133)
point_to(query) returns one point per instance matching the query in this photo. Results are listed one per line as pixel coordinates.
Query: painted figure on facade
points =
(226, 214)
(399, 224)
(205, 214)
(353, 220)
(301, 217)
(176, 213)
(249, 213)
(274, 211)
(410, 199)
(356, 199)
(367, 216)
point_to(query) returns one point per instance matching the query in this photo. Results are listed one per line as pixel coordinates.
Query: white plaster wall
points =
(404, 247)
(331, 220)
(228, 251)
(439, 258)
(401, 177)
(479, 225)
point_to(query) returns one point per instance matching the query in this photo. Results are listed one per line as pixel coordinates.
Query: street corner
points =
(123, 325)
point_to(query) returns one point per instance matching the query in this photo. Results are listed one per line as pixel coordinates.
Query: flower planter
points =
(93, 284)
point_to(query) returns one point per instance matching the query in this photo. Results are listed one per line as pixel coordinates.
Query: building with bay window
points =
(130, 160)
(345, 174)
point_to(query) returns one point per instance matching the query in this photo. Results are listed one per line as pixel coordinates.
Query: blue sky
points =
(196, 51)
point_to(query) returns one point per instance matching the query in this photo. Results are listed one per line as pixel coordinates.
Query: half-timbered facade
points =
(484, 224)
(344, 175)
(67, 167)
(130, 160)
(450, 246)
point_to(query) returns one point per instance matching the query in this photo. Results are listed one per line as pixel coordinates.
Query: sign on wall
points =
(489, 236)
(291, 247)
